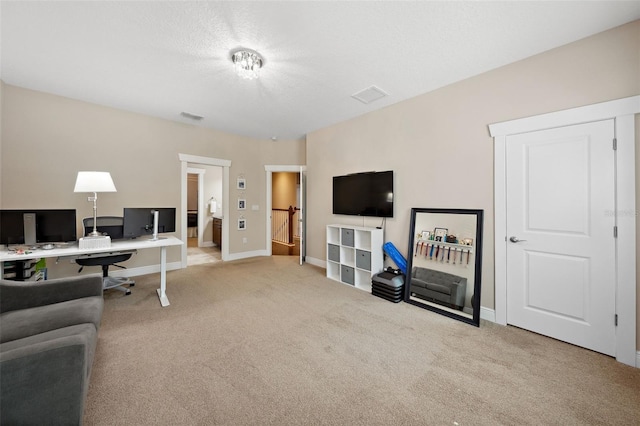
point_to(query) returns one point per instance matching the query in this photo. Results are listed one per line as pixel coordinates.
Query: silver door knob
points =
(515, 240)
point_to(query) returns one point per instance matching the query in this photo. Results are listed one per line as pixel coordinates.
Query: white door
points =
(301, 216)
(560, 226)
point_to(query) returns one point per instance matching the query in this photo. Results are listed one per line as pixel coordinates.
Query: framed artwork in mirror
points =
(444, 266)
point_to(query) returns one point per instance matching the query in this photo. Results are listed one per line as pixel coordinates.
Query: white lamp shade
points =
(94, 182)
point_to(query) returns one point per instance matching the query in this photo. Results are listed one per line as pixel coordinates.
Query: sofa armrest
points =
(44, 382)
(459, 292)
(16, 295)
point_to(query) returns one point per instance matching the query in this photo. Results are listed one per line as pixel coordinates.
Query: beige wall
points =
(439, 146)
(46, 139)
(284, 189)
(192, 192)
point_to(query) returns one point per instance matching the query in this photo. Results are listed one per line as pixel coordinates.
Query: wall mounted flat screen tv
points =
(364, 194)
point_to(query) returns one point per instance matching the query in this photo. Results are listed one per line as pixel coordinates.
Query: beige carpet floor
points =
(267, 342)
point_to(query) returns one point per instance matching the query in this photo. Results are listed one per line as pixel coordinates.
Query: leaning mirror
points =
(444, 264)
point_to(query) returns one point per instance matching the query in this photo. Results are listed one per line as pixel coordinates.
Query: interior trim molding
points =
(487, 314)
(622, 111)
(316, 262)
(568, 117)
(247, 254)
(286, 168)
(204, 160)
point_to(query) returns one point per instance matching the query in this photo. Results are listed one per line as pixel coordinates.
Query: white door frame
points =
(269, 202)
(622, 111)
(185, 160)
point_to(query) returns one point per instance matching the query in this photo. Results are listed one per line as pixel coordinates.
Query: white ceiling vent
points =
(191, 116)
(369, 95)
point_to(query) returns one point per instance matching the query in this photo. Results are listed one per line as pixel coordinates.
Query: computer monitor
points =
(56, 226)
(138, 221)
(51, 226)
(111, 226)
(11, 227)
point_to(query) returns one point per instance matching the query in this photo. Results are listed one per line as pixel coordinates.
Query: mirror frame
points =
(477, 248)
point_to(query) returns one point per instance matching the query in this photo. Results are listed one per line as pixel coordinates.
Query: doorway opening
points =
(204, 189)
(293, 201)
(285, 213)
(212, 206)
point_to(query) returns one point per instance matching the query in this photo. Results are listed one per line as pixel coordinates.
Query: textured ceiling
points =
(163, 58)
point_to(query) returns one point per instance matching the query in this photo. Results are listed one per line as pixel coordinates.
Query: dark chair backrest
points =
(112, 226)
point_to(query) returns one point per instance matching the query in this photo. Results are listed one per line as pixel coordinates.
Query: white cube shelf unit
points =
(354, 254)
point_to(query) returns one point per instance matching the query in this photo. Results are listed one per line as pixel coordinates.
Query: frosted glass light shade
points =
(94, 182)
(247, 63)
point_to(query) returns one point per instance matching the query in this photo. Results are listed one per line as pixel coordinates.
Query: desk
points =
(116, 246)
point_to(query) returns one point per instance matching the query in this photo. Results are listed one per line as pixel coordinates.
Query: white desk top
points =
(74, 250)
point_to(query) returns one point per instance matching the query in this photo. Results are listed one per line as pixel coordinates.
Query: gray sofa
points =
(440, 287)
(48, 337)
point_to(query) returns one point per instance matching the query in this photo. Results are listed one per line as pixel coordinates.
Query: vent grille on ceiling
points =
(191, 116)
(369, 95)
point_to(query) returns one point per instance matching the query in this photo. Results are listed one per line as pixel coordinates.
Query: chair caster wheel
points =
(132, 284)
(127, 293)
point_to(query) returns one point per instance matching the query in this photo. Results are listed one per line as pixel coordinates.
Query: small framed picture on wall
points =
(242, 204)
(440, 233)
(241, 183)
(242, 224)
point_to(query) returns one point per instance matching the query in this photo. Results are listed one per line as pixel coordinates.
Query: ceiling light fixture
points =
(247, 63)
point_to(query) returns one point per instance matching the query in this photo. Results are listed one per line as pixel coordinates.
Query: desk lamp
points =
(94, 182)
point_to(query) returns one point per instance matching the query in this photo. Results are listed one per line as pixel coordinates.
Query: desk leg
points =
(164, 300)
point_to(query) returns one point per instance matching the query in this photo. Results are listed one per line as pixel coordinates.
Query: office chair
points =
(113, 227)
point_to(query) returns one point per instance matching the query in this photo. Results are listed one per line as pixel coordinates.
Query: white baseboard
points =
(247, 254)
(638, 359)
(315, 262)
(487, 314)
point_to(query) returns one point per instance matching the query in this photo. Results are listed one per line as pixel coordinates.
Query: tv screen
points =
(138, 221)
(52, 226)
(364, 194)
